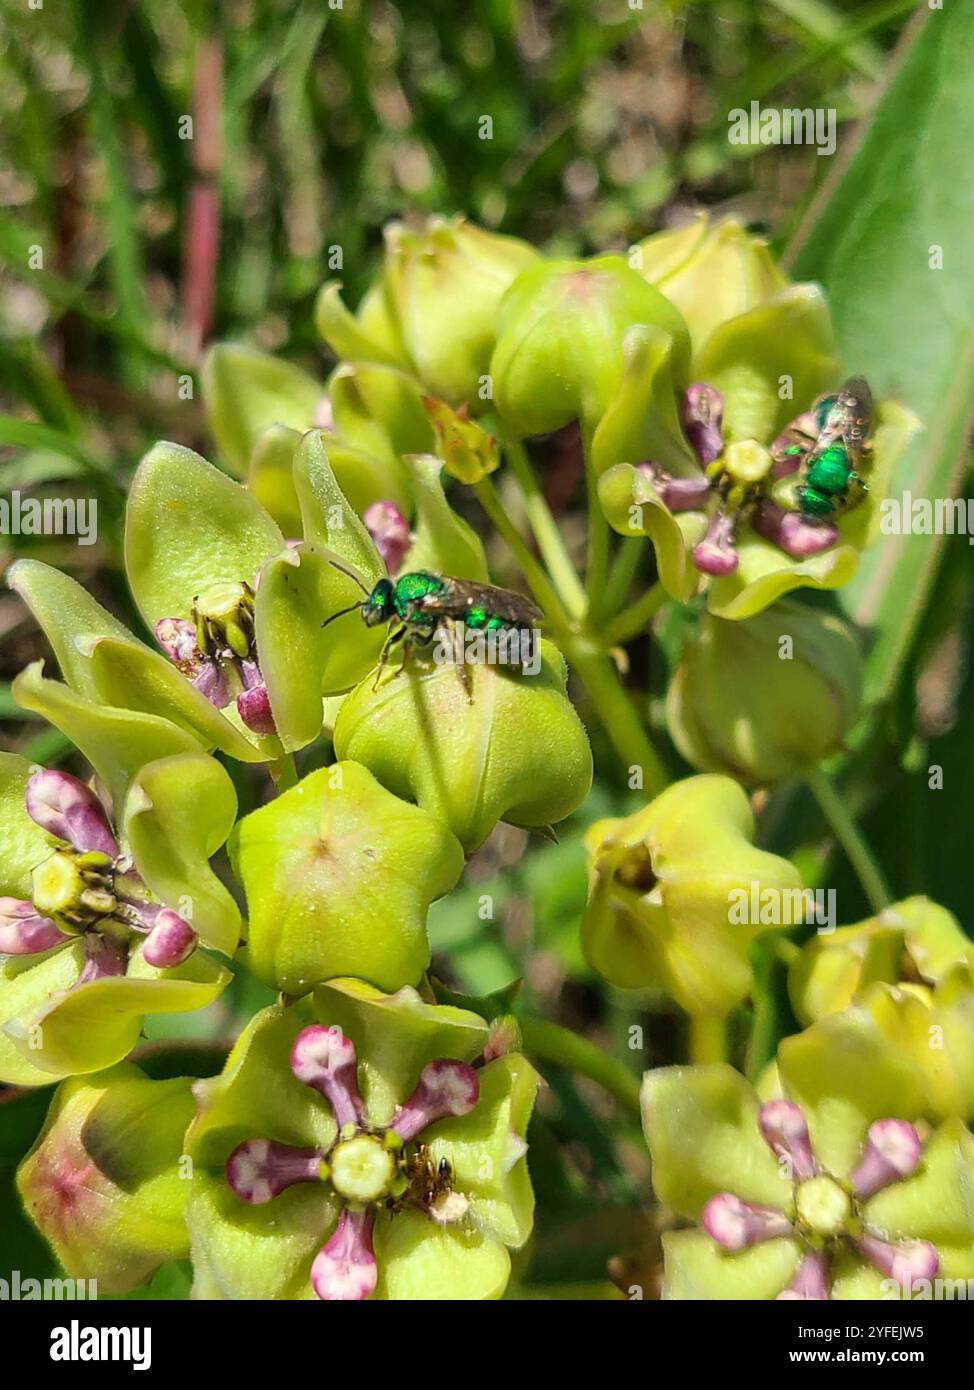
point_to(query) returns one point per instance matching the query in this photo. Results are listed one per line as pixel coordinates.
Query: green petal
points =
(301, 660)
(23, 845)
(697, 1268)
(339, 875)
(329, 520)
(701, 1124)
(642, 421)
(486, 1150)
(67, 613)
(937, 1202)
(256, 1253)
(178, 813)
(442, 541)
(26, 983)
(102, 1182)
(420, 1261)
(766, 573)
(187, 527)
(395, 1035)
(117, 742)
(270, 477)
(634, 508)
(98, 1023)
(934, 937)
(831, 969)
(746, 358)
(130, 676)
(246, 392)
(347, 337)
(379, 410)
(845, 1075)
(257, 1096)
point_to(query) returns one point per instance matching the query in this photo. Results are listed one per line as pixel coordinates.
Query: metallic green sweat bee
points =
(834, 454)
(422, 601)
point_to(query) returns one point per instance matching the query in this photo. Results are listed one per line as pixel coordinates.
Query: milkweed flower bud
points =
(102, 1182)
(765, 697)
(560, 348)
(662, 888)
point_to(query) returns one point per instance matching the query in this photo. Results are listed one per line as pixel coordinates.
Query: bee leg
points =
(465, 681)
(387, 645)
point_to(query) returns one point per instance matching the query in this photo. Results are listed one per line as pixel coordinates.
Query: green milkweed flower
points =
(665, 885)
(103, 1183)
(704, 470)
(767, 696)
(915, 943)
(259, 407)
(99, 926)
(833, 1190)
(410, 317)
(354, 1148)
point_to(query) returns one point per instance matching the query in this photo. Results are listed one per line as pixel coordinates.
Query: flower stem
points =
(549, 1042)
(632, 620)
(538, 581)
(850, 837)
(622, 572)
(708, 1039)
(284, 773)
(547, 532)
(598, 673)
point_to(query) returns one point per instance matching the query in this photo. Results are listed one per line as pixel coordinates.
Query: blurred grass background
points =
(127, 247)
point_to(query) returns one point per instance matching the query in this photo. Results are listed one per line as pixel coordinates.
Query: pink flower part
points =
(389, 530)
(785, 1131)
(106, 959)
(345, 1270)
(64, 807)
(445, 1088)
(325, 1059)
(715, 554)
(703, 414)
(811, 1280)
(790, 531)
(170, 942)
(177, 638)
(892, 1151)
(905, 1262)
(212, 683)
(736, 1225)
(254, 708)
(23, 932)
(259, 1169)
(677, 494)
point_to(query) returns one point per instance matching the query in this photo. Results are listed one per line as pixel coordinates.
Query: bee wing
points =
(463, 594)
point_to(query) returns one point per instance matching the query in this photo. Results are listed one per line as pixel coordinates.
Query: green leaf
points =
(907, 327)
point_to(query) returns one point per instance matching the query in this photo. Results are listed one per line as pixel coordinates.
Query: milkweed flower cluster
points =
(367, 1135)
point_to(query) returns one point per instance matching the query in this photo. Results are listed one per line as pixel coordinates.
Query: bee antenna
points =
(351, 575)
(341, 613)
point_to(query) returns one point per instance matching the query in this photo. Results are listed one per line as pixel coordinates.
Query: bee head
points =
(378, 607)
